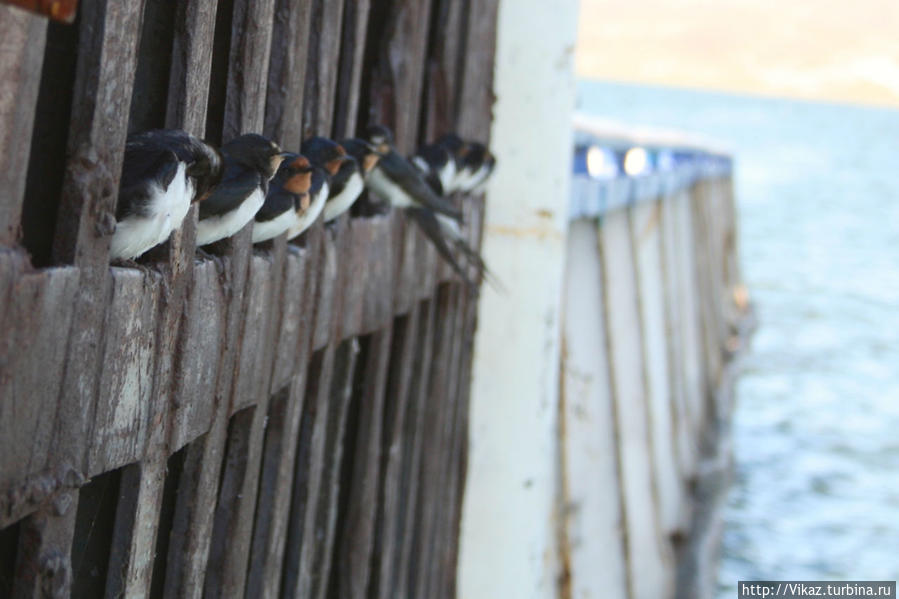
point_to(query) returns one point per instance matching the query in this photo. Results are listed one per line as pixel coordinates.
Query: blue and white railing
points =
(614, 167)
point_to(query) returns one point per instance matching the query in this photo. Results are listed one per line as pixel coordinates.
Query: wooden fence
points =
(285, 421)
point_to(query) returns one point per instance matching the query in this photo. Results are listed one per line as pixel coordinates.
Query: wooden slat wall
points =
(281, 421)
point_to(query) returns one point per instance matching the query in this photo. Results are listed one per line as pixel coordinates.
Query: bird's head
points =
(325, 153)
(380, 137)
(255, 151)
(366, 154)
(296, 174)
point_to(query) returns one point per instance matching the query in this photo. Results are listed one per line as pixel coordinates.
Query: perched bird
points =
(326, 157)
(477, 166)
(439, 162)
(318, 195)
(396, 180)
(349, 181)
(163, 171)
(250, 162)
(287, 200)
(399, 182)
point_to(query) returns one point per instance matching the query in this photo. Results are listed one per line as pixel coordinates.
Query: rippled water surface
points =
(816, 429)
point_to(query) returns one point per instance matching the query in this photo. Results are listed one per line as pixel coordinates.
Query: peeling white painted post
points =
(509, 531)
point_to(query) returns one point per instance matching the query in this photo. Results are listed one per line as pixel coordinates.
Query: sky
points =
(837, 50)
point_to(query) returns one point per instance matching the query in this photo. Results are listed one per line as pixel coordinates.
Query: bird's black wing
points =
(431, 228)
(277, 202)
(410, 179)
(237, 184)
(141, 168)
(349, 167)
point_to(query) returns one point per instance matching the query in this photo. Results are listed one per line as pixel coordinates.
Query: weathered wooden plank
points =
(298, 312)
(357, 529)
(320, 538)
(424, 568)
(121, 424)
(687, 437)
(646, 242)
(397, 77)
(177, 272)
(328, 286)
(270, 540)
(264, 295)
(218, 573)
(351, 278)
(180, 541)
(321, 70)
(397, 396)
(202, 340)
(376, 252)
(691, 346)
(99, 116)
(590, 479)
(34, 307)
(418, 266)
(276, 443)
(287, 72)
(413, 443)
(443, 68)
(43, 559)
(254, 317)
(308, 475)
(196, 505)
(349, 76)
(191, 65)
(107, 59)
(126, 512)
(477, 51)
(22, 38)
(459, 457)
(649, 560)
(251, 42)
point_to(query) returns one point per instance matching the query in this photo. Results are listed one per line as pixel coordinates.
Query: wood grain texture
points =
(22, 38)
(251, 40)
(321, 69)
(304, 462)
(349, 76)
(287, 72)
(358, 517)
(397, 78)
(191, 65)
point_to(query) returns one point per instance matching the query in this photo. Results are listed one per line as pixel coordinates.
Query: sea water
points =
(816, 425)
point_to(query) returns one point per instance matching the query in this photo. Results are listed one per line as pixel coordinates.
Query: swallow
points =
(439, 163)
(477, 165)
(287, 200)
(326, 158)
(318, 195)
(250, 162)
(163, 172)
(349, 181)
(398, 181)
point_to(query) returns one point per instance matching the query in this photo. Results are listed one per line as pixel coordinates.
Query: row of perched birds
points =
(251, 179)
